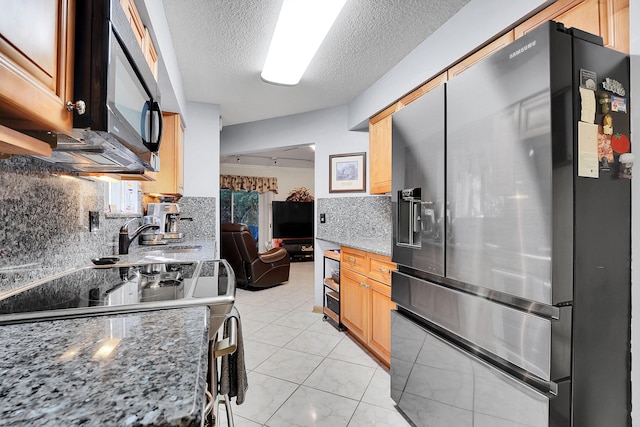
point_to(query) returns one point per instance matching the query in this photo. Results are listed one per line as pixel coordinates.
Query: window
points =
(122, 198)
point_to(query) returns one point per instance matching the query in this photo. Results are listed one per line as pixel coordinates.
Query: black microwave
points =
(112, 77)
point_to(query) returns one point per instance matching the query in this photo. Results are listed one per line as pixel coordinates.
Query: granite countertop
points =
(376, 246)
(52, 374)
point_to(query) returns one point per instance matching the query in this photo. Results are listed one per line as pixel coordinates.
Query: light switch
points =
(323, 218)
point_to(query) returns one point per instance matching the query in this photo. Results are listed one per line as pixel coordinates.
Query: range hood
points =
(89, 151)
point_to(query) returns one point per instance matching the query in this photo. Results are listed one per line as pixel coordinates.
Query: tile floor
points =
(301, 370)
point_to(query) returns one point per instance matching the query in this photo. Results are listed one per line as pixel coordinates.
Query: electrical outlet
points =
(323, 218)
(94, 221)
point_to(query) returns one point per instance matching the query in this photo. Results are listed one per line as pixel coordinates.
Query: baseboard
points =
(317, 309)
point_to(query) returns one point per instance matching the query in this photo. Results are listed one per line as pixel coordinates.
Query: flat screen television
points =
(292, 220)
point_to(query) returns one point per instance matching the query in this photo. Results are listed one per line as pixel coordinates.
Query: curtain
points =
(249, 183)
(264, 228)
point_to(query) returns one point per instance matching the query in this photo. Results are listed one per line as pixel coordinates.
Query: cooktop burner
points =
(121, 287)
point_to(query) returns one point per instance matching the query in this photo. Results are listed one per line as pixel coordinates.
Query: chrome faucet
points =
(124, 240)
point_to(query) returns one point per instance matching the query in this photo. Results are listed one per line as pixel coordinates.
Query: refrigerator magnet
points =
(605, 102)
(605, 151)
(588, 79)
(618, 104)
(613, 86)
(620, 143)
(626, 163)
(607, 124)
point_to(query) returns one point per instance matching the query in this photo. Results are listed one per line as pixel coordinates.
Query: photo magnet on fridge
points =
(588, 79)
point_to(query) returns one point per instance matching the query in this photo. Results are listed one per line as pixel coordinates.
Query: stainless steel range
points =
(124, 288)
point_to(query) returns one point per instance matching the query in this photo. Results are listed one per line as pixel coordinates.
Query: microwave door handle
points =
(156, 108)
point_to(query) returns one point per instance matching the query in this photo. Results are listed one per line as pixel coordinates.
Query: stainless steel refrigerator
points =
(512, 239)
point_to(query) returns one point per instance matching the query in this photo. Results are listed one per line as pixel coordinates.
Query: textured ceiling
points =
(221, 45)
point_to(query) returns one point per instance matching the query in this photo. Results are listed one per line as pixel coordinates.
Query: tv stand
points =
(299, 249)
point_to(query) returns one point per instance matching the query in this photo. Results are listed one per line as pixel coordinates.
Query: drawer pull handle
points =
(351, 259)
(384, 270)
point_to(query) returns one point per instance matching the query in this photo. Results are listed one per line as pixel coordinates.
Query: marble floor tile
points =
(302, 371)
(238, 421)
(290, 365)
(378, 391)
(251, 326)
(314, 342)
(274, 334)
(263, 314)
(299, 319)
(326, 328)
(256, 352)
(350, 351)
(264, 396)
(367, 415)
(309, 407)
(342, 378)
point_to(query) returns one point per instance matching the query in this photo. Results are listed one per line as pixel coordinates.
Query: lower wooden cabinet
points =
(354, 303)
(379, 332)
(365, 301)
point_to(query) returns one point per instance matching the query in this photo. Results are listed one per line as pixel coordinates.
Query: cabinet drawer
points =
(353, 259)
(379, 267)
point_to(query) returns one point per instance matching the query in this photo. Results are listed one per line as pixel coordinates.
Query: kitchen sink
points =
(125, 288)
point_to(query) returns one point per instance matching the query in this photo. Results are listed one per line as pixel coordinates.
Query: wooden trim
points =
(557, 8)
(13, 142)
(479, 54)
(410, 97)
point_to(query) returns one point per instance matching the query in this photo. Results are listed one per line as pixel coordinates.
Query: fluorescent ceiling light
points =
(301, 28)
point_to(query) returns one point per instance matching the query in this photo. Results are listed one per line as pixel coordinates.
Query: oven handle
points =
(230, 344)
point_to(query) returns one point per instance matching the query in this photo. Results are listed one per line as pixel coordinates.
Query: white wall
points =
(288, 178)
(202, 150)
(202, 154)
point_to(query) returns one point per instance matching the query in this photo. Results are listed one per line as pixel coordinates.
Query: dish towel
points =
(233, 374)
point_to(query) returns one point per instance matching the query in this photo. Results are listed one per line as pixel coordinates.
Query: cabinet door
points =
(380, 156)
(353, 303)
(380, 268)
(353, 259)
(170, 178)
(36, 64)
(606, 18)
(379, 333)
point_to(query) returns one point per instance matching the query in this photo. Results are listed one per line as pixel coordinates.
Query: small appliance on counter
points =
(166, 216)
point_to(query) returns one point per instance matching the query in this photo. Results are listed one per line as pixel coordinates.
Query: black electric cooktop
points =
(120, 288)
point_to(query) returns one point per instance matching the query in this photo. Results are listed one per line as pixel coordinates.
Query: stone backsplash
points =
(360, 222)
(45, 221)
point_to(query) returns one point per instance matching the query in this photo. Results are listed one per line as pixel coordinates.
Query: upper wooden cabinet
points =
(380, 138)
(36, 64)
(142, 35)
(380, 156)
(607, 18)
(170, 178)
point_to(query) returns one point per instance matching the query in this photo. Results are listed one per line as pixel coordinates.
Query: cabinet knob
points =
(79, 106)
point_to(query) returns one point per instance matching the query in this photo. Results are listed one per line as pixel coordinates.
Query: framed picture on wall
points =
(347, 173)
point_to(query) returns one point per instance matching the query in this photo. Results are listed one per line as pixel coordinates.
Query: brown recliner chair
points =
(251, 268)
